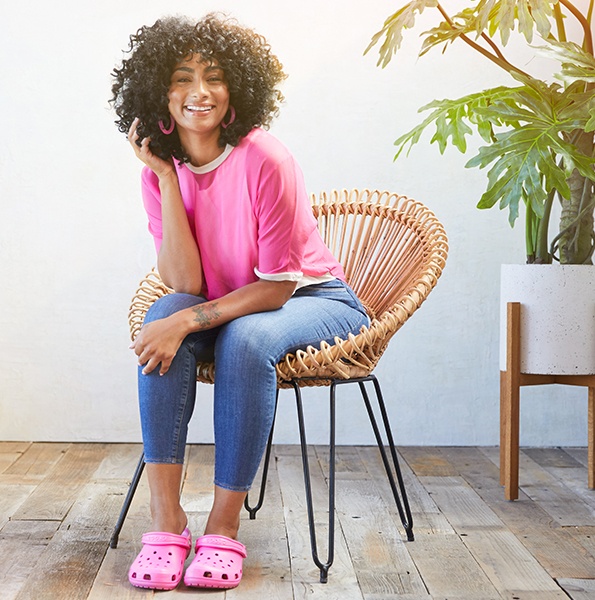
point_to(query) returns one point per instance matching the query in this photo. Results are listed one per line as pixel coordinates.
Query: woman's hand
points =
(157, 343)
(160, 167)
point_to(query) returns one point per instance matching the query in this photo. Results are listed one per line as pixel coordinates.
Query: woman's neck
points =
(202, 149)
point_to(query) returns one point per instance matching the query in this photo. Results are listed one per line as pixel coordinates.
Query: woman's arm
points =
(178, 262)
(158, 341)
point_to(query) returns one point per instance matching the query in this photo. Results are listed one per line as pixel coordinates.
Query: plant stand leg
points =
(511, 381)
(510, 399)
(503, 420)
(591, 440)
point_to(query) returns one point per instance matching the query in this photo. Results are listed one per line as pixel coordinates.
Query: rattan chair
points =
(393, 250)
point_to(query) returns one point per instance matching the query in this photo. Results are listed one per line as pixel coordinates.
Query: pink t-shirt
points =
(250, 216)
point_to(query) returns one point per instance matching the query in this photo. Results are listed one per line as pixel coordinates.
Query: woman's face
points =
(198, 95)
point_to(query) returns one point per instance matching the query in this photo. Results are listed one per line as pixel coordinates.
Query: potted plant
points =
(537, 137)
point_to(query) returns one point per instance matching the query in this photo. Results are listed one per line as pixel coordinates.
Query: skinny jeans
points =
(245, 352)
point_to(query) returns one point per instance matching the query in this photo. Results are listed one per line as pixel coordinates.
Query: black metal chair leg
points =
(324, 567)
(265, 470)
(127, 501)
(402, 502)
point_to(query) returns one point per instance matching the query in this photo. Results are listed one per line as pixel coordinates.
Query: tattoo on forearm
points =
(205, 314)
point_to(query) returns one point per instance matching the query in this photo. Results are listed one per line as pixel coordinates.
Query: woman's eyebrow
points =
(186, 69)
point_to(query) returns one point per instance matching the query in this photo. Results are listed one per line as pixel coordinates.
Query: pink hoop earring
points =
(165, 131)
(232, 117)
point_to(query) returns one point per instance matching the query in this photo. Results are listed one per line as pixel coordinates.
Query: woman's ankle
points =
(230, 532)
(164, 483)
(173, 521)
(217, 526)
(224, 518)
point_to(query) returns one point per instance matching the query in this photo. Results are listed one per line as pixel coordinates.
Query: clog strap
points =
(221, 542)
(160, 538)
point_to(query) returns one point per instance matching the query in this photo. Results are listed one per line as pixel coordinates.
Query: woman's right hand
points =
(160, 167)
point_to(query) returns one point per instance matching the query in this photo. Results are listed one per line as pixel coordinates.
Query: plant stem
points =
(494, 46)
(497, 59)
(574, 242)
(542, 256)
(586, 210)
(586, 204)
(530, 234)
(559, 23)
(584, 24)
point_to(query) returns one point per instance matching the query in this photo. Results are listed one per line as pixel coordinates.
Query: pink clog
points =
(217, 564)
(160, 563)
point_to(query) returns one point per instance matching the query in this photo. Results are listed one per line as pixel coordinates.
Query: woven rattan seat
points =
(393, 250)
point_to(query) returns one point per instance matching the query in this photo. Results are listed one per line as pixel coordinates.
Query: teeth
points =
(199, 108)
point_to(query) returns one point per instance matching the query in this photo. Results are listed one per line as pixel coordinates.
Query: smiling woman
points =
(235, 238)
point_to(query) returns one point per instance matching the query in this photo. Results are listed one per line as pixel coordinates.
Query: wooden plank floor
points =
(59, 502)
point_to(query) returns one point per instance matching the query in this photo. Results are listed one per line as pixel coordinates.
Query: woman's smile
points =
(194, 108)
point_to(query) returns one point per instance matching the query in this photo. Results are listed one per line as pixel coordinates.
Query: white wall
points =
(73, 239)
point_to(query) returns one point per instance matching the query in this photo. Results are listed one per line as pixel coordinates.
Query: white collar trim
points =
(213, 164)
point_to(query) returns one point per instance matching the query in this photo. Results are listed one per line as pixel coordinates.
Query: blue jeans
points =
(245, 352)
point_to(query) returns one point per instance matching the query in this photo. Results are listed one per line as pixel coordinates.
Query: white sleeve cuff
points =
(287, 276)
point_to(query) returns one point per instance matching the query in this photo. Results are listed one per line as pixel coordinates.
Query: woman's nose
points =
(200, 88)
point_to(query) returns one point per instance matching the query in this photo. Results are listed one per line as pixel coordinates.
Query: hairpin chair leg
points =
(265, 470)
(128, 501)
(402, 502)
(324, 567)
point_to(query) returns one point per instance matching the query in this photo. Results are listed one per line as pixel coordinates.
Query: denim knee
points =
(253, 338)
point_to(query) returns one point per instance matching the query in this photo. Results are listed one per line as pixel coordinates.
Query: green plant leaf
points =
(513, 178)
(590, 125)
(456, 118)
(501, 16)
(446, 32)
(452, 125)
(573, 159)
(505, 17)
(542, 11)
(393, 27)
(577, 64)
(525, 20)
(532, 158)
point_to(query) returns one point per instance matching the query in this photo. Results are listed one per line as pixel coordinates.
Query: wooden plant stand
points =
(511, 381)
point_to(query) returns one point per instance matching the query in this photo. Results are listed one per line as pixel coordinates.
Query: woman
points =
(253, 280)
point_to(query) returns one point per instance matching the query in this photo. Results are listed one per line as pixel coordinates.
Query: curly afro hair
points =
(252, 74)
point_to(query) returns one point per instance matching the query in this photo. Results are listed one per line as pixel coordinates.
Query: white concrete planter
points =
(557, 317)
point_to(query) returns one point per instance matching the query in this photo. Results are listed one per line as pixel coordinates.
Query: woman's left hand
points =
(157, 343)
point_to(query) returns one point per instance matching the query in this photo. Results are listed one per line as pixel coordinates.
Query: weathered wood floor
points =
(59, 502)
